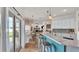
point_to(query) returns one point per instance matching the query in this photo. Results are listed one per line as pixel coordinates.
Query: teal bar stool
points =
(48, 47)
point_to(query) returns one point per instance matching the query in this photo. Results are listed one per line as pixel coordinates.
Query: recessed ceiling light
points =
(54, 15)
(65, 10)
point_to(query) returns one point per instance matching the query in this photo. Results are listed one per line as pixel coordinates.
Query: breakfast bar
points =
(60, 44)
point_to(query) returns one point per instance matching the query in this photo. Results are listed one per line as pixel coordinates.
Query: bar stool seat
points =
(48, 46)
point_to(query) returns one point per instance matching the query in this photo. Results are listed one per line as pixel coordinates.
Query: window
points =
(11, 32)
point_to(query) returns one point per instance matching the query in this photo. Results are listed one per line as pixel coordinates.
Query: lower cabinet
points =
(72, 49)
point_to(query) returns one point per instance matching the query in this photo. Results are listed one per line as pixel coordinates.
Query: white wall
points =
(0, 29)
(27, 33)
(77, 24)
(22, 34)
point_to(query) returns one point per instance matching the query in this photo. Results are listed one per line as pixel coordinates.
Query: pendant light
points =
(50, 17)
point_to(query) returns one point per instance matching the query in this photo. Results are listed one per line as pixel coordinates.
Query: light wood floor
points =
(31, 46)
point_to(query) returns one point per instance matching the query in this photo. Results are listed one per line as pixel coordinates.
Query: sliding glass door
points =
(11, 31)
(17, 34)
(14, 32)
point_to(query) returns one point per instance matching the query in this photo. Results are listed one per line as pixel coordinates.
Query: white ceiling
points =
(40, 13)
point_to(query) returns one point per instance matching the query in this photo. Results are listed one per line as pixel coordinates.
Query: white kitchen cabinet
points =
(64, 22)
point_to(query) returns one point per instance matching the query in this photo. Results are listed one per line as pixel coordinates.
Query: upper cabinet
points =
(64, 22)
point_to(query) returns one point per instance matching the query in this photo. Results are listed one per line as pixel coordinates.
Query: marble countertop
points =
(72, 43)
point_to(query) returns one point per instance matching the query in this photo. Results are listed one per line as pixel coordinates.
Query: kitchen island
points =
(60, 44)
